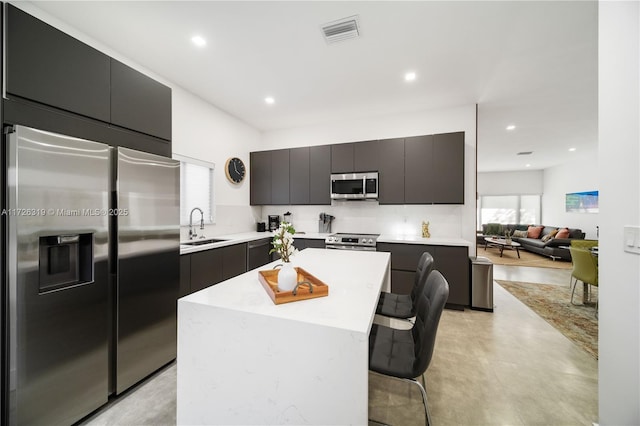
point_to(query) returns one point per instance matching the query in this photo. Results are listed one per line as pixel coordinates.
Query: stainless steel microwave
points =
(354, 186)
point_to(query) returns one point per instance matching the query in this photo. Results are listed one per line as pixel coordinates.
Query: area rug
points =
(510, 258)
(552, 302)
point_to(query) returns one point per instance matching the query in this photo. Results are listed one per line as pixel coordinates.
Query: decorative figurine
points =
(425, 230)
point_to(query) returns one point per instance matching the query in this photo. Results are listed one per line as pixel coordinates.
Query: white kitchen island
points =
(244, 360)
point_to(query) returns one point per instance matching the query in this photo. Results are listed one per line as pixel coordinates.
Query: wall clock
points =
(235, 170)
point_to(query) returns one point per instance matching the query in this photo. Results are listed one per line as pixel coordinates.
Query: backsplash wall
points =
(370, 217)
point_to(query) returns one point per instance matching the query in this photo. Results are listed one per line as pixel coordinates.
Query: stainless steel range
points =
(344, 241)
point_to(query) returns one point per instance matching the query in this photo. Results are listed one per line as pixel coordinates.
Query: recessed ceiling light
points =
(511, 127)
(199, 41)
(571, 149)
(528, 165)
(269, 100)
(410, 76)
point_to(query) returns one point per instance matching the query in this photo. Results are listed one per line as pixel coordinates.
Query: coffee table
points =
(502, 244)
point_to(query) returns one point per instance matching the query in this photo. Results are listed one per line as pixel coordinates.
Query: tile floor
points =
(508, 367)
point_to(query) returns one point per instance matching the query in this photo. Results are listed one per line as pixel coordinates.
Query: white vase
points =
(287, 277)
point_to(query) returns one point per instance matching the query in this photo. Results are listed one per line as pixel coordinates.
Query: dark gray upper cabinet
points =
(139, 102)
(280, 176)
(365, 156)
(391, 171)
(418, 165)
(320, 175)
(448, 168)
(342, 158)
(417, 170)
(299, 175)
(45, 65)
(260, 178)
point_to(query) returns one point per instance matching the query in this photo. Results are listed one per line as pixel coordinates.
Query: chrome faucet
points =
(192, 233)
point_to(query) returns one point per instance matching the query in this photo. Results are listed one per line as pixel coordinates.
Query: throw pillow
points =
(563, 233)
(534, 231)
(519, 234)
(550, 235)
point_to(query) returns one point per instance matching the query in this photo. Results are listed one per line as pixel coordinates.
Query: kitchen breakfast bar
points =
(244, 360)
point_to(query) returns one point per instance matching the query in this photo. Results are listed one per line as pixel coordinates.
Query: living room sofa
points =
(544, 244)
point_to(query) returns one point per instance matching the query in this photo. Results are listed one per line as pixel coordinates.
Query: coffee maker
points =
(274, 222)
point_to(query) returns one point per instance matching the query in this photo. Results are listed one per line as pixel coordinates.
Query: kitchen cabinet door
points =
(303, 243)
(365, 156)
(258, 253)
(280, 177)
(260, 178)
(453, 263)
(402, 281)
(185, 275)
(391, 171)
(447, 170)
(234, 260)
(139, 103)
(418, 176)
(47, 66)
(342, 158)
(405, 256)
(299, 175)
(206, 269)
(320, 175)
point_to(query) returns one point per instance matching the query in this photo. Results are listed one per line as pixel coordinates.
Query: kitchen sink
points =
(201, 242)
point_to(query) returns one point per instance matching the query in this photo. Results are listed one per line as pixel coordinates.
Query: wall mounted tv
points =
(582, 202)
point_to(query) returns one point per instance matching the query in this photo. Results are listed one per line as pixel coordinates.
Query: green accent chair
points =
(585, 269)
(585, 244)
(493, 229)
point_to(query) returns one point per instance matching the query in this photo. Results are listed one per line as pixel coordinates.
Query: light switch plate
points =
(631, 239)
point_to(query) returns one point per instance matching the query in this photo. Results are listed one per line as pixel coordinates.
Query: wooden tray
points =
(269, 280)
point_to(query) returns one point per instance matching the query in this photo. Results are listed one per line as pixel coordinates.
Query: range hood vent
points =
(525, 153)
(342, 29)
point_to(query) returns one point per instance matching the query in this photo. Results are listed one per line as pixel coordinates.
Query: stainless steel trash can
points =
(481, 284)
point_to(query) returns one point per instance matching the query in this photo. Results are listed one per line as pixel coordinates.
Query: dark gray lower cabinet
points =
(258, 253)
(452, 262)
(206, 269)
(210, 267)
(303, 243)
(185, 275)
(234, 260)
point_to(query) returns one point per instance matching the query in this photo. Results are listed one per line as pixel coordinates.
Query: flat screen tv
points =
(582, 202)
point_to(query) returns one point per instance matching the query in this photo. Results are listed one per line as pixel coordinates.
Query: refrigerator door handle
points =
(66, 239)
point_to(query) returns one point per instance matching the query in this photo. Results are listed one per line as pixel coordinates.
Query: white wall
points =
(619, 154)
(578, 175)
(445, 221)
(511, 183)
(199, 130)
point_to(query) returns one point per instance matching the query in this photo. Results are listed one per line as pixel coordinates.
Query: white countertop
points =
(244, 237)
(354, 284)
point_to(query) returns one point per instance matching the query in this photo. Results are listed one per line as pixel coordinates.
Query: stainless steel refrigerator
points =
(93, 272)
(146, 253)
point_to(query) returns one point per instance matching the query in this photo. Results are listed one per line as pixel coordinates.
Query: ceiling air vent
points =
(525, 153)
(342, 29)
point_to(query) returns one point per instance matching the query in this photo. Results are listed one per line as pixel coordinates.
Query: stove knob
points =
(370, 241)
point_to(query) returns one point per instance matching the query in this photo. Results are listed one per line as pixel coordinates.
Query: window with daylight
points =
(196, 190)
(518, 209)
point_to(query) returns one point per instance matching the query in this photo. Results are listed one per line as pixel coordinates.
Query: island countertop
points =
(244, 360)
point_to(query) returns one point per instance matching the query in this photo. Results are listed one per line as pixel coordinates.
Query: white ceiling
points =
(532, 64)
